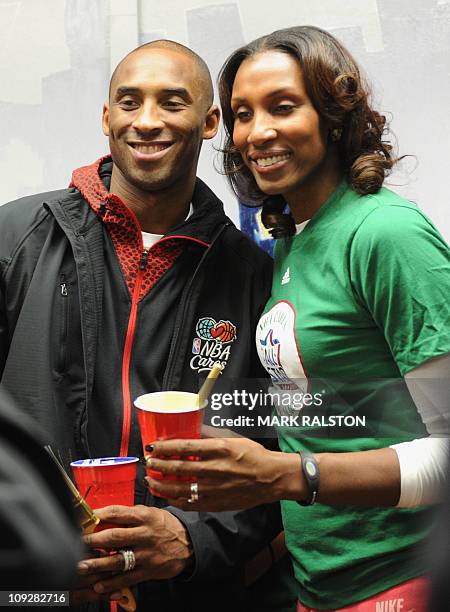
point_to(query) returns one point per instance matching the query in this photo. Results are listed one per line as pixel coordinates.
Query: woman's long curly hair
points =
(338, 93)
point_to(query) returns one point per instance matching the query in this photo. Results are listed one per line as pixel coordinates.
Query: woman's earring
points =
(335, 134)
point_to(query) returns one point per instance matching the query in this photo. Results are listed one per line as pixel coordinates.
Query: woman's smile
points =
(265, 162)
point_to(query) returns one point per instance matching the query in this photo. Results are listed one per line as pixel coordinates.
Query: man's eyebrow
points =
(178, 91)
(125, 90)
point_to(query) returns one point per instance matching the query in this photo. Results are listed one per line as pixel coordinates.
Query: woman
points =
(359, 293)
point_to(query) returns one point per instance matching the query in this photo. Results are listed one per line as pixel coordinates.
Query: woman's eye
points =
(283, 108)
(242, 115)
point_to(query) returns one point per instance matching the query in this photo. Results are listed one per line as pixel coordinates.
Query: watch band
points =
(311, 473)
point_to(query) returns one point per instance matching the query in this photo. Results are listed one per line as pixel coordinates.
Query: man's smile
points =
(149, 151)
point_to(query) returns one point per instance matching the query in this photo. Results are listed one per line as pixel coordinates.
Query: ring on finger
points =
(129, 559)
(194, 493)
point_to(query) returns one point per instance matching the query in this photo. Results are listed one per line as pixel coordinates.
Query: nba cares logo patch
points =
(212, 343)
(208, 329)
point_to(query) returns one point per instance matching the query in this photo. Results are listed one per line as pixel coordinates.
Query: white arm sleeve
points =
(423, 466)
(423, 462)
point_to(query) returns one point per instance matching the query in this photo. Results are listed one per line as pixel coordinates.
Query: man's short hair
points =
(163, 43)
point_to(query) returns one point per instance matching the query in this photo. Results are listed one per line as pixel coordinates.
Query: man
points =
(107, 290)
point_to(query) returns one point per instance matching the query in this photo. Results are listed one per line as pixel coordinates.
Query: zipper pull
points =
(102, 209)
(64, 289)
(144, 260)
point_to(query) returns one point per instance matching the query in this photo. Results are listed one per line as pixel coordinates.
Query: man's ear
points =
(105, 119)
(211, 122)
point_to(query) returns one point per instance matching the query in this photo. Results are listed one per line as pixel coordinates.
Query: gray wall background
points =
(57, 55)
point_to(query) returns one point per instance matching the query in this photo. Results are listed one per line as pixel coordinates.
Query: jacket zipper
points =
(64, 323)
(126, 359)
(179, 324)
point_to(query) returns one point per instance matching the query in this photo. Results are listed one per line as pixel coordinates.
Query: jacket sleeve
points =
(263, 288)
(225, 541)
(40, 543)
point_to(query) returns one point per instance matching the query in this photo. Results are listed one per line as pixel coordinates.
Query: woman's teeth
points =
(269, 161)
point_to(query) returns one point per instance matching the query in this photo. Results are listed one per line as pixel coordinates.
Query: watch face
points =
(310, 468)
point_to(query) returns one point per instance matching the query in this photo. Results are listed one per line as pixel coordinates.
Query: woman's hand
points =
(231, 473)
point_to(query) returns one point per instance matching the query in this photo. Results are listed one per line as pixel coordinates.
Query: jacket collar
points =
(93, 183)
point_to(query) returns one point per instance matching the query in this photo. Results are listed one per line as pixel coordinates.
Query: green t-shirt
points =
(361, 294)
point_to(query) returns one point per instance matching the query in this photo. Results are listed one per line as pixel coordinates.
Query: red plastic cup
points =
(106, 481)
(169, 415)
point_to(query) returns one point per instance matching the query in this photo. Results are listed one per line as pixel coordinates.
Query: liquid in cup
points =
(169, 415)
(106, 481)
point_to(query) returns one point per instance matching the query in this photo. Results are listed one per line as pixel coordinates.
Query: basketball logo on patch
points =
(212, 343)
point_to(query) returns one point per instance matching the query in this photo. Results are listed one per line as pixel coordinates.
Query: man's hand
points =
(160, 543)
(83, 592)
